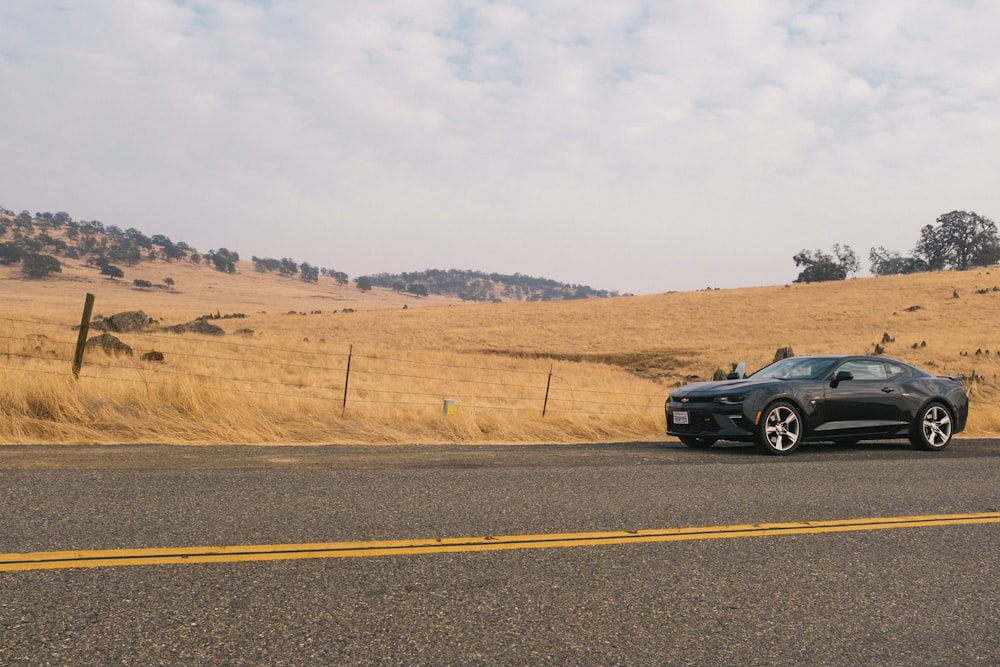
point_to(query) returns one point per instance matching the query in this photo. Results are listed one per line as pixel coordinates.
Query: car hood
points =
(721, 388)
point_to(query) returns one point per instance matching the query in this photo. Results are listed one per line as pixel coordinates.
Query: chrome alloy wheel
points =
(782, 429)
(935, 427)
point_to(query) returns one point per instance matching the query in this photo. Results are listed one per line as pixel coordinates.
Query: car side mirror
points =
(840, 377)
(739, 372)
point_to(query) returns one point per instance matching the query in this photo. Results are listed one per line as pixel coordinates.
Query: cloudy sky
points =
(627, 145)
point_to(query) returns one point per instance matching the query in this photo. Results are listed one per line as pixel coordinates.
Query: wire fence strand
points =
(154, 359)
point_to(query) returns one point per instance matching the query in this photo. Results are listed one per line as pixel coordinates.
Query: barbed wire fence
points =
(344, 378)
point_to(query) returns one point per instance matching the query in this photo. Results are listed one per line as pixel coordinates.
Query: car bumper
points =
(708, 420)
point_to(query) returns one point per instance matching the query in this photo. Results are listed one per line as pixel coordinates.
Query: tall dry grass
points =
(612, 362)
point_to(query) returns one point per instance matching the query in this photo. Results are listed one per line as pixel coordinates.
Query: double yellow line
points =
(54, 560)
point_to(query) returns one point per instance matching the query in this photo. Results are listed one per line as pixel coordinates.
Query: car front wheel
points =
(933, 428)
(779, 430)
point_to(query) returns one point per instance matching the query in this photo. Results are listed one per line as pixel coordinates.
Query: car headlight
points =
(734, 399)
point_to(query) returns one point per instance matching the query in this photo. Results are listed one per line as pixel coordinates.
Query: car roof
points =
(841, 357)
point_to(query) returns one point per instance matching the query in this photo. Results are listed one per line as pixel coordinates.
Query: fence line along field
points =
(304, 363)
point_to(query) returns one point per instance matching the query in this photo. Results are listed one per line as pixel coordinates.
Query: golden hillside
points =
(600, 369)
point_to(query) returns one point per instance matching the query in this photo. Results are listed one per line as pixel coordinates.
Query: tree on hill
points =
(309, 273)
(339, 277)
(169, 249)
(820, 267)
(265, 264)
(960, 240)
(887, 263)
(223, 260)
(39, 266)
(112, 271)
(10, 253)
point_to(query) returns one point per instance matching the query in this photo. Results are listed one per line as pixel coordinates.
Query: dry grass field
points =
(598, 369)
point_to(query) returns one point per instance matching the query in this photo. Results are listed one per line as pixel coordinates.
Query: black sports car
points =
(820, 398)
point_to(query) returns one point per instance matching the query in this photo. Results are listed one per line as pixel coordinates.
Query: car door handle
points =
(888, 390)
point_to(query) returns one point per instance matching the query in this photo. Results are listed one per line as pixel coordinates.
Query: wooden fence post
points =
(81, 340)
(347, 379)
(545, 405)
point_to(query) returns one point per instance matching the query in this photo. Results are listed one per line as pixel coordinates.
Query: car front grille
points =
(699, 423)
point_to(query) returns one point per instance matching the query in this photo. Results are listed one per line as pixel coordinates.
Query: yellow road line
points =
(53, 560)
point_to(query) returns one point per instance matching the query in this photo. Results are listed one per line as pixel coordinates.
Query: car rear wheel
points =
(933, 428)
(779, 430)
(695, 441)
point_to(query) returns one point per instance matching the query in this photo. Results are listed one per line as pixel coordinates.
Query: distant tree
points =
(310, 273)
(960, 240)
(288, 267)
(888, 263)
(24, 220)
(364, 283)
(339, 277)
(168, 281)
(138, 238)
(112, 271)
(819, 266)
(39, 266)
(418, 289)
(142, 284)
(224, 260)
(170, 250)
(10, 253)
(31, 245)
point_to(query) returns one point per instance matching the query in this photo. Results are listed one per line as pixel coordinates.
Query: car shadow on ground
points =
(745, 449)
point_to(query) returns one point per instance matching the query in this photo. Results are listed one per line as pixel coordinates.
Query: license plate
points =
(681, 418)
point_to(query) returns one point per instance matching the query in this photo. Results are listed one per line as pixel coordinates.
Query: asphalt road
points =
(899, 596)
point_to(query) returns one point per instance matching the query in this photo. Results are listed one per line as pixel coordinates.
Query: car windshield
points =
(796, 368)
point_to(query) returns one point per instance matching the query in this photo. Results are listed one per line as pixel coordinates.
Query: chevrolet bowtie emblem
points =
(685, 400)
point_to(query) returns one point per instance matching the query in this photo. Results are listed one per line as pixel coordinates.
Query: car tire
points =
(695, 441)
(933, 427)
(779, 431)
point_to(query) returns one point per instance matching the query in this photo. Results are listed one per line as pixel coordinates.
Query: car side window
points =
(894, 369)
(863, 369)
